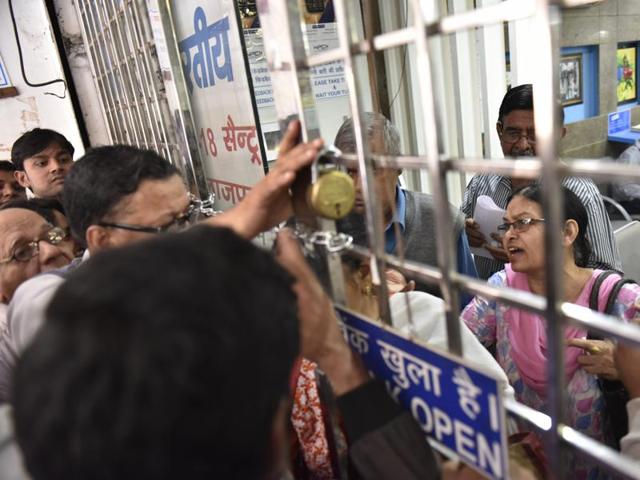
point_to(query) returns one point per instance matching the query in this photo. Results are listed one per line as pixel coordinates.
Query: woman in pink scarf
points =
(520, 337)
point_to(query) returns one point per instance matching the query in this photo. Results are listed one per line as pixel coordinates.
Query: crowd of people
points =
(135, 343)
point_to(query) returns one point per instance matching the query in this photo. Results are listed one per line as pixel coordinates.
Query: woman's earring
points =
(366, 285)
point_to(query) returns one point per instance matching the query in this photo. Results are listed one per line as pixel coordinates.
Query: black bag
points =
(614, 393)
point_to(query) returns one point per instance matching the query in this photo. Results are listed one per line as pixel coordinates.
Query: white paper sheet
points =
(488, 216)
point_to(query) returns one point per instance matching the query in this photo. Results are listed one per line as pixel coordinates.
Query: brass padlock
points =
(332, 193)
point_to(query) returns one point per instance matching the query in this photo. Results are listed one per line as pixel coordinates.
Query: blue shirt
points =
(466, 265)
(398, 217)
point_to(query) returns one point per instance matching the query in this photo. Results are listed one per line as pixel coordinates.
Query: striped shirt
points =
(604, 253)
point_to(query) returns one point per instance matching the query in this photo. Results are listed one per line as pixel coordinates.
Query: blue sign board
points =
(619, 122)
(458, 407)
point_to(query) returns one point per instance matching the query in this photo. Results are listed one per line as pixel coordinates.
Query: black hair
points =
(102, 178)
(520, 98)
(573, 210)
(165, 359)
(42, 206)
(7, 166)
(34, 141)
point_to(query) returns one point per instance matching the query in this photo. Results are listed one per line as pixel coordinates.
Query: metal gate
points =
(140, 101)
(126, 71)
(290, 74)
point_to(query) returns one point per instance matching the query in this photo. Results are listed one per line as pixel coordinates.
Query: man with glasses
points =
(29, 244)
(117, 195)
(516, 130)
(34, 240)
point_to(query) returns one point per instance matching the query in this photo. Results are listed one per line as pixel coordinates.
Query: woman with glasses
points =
(520, 337)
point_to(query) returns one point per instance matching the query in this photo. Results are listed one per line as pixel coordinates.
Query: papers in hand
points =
(488, 216)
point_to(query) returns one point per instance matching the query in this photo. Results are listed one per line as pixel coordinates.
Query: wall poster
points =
(626, 74)
(571, 85)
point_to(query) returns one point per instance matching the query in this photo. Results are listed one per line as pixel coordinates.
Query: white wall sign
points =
(328, 80)
(214, 69)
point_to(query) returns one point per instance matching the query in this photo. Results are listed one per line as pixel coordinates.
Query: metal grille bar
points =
(373, 214)
(598, 452)
(524, 168)
(446, 258)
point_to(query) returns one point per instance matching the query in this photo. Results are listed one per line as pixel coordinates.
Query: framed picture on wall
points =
(571, 88)
(626, 74)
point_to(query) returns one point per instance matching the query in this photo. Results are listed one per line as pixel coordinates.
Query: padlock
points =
(332, 193)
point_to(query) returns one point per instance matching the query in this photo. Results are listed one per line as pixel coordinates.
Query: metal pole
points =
(373, 213)
(437, 176)
(547, 122)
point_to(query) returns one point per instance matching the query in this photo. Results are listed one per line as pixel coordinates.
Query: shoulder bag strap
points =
(595, 289)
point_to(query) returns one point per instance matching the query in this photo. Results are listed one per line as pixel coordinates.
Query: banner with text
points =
(458, 406)
(214, 69)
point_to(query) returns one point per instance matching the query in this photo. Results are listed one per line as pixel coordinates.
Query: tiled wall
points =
(605, 25)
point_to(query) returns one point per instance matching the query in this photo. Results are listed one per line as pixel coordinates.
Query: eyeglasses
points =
(513, 135)
(27, 251)
(520, 225)
(178, 224)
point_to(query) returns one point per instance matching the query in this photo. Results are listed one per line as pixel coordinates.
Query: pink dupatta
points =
(528, 335)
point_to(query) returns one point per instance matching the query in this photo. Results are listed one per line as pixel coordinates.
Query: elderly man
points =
(412, 214)
(33, 240)
(117, 195)
(42, 159)
(517, 137)
(10, 189)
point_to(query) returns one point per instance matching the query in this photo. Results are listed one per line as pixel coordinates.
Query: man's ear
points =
(97, 238)
(22, 178)
(499, 128)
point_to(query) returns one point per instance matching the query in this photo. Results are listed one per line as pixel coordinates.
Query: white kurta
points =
(429, 325)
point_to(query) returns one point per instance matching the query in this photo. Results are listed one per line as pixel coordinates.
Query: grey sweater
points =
(419, 237)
